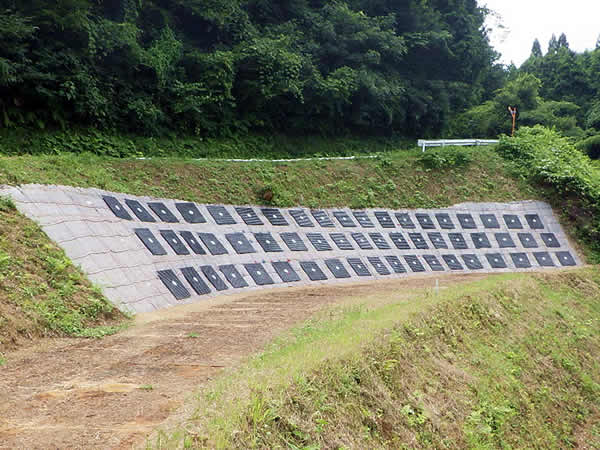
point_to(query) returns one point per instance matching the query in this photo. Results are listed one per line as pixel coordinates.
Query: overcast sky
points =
(525, 20)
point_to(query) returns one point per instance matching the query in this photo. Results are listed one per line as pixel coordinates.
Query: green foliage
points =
(560, 115)
(91, 141)
(591, 146)
(217, 68)
(41, 292)
(498, 363)
(55, 314)
(592, 118)
(444, 158)
(163, 55)
(7, 204)
(567, 76)
(492, 118)
(15, 31)
(555, 159)
(547, 156)
(206, 105)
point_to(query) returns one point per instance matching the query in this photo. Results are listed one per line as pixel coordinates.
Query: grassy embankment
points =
(41, 292)
(505, 362)
(395, 179)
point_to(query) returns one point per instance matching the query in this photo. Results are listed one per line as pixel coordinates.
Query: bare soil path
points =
(111, 393)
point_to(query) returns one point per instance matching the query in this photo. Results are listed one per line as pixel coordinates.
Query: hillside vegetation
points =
(548, 159)
(234, 68)
(41, 292)
(507, 362)
(223, 67)
(406, 179)
(537, 164)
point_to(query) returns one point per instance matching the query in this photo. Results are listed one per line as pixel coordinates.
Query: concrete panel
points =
(120, 242)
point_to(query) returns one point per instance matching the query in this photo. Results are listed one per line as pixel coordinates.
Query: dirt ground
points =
(111, 393)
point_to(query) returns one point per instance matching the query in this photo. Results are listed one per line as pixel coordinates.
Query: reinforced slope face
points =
(148, 253)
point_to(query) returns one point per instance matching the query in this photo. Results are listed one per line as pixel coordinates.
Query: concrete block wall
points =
(109, 251)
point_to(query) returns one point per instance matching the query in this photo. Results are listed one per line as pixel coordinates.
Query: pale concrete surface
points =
(109, 252)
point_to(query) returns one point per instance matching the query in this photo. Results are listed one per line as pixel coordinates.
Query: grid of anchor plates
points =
(214, 248)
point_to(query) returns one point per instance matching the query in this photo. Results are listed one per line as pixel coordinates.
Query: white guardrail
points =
(462, 142)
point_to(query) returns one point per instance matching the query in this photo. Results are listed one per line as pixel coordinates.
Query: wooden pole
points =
(514, 117)
(513, 113)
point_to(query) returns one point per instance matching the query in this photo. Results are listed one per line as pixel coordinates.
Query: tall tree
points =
(562, 41)
(553, 44)
(536, 49)
(226, 66)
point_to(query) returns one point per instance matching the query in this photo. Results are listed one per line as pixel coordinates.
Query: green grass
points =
(507, 362)
(395, 180)
(41, 292)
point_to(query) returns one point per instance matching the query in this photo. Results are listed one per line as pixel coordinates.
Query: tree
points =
(224, 66)
(536, 50)
(553, 44)
(491, 118)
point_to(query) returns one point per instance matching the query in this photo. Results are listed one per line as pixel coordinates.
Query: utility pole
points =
(513, 112)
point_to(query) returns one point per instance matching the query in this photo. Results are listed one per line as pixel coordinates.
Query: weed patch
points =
(502, 363)
(546, 158)
(445, 158)
(41, 292)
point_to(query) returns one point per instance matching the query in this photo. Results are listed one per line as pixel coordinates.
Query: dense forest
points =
(229, 67)
(218, 67)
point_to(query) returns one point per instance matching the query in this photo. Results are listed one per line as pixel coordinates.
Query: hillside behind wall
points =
(146, 253)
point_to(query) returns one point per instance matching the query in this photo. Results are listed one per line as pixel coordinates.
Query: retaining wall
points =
(147, 253)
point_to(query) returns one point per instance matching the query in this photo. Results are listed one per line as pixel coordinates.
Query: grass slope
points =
(507, 362)
(394, 180)
(400, 179)
(41, 293)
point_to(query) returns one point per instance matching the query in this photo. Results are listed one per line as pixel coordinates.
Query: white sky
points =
(525, 20)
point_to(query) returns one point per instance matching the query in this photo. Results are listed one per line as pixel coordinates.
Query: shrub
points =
(444, 158)
(546, 154)
(551, 158)
(591, 146)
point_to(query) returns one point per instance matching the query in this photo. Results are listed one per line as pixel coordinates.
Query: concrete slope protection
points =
(147, 253)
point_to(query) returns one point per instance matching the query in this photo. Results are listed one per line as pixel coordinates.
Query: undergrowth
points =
(546, 158)
(88, 140)
(444, 158)
(41, 292)
(503, 364)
